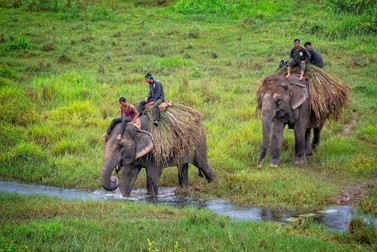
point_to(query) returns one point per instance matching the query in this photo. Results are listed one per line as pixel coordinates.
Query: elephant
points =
(133, 152)
(285, 101)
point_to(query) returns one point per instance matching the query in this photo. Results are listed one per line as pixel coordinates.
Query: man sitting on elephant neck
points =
(128, 113)
(299, 57)
(156, 96)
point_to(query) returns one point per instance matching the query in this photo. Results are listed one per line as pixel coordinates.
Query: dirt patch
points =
(347, 129)
(353, 194)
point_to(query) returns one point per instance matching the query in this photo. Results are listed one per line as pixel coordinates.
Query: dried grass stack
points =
(178, 133)
(328, 94)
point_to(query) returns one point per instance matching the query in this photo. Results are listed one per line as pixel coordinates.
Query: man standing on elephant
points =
(299, 57)
(156, 96)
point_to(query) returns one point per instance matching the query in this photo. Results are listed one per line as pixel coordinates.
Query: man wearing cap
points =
(299, 57)
(316, 57)
(156, 96)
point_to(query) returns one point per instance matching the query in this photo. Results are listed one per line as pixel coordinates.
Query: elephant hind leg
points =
(183, 180)
(129, 176)
(308, 150)
(153, 177)
(206, 170)
(317, 136)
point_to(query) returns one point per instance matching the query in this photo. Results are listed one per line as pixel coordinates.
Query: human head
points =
(297, 43)
(149, 78)
(308, 45)
(122, 100)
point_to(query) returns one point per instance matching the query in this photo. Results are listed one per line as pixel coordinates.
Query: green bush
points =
(19, 44)
(7, 72)
(15, 108)
(354, 6)
(229, 9)
(367, 89)
(24, 151)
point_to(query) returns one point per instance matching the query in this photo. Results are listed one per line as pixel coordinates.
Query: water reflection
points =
(336, 218)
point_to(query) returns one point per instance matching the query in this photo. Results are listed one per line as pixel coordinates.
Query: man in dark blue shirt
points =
(156, 96)
(316, 57)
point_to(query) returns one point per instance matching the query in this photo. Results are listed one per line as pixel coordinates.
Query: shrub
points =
(15, 108)
(24, 151)
(353, 6)
(19, 44)
(7, 72)
(367, 89)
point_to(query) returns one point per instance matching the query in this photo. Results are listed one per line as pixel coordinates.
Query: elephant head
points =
(280, 99)
(133, 144)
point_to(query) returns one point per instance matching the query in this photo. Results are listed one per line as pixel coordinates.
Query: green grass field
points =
(64, 65)
(31, 223)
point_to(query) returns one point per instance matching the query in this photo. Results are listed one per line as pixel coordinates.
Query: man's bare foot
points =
(302, 78)
(105, 135)
(288, 75)
(119, 136)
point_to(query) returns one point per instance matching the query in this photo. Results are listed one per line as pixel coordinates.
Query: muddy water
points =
(333, 217)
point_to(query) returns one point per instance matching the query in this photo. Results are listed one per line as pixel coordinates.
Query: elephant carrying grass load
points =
(302, 105)
(179, 139)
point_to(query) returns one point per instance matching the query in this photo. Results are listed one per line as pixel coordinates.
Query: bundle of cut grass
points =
(178, 133)
(328, 94)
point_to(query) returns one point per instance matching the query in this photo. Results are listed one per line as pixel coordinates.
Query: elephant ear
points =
(300, 94)
(144, 143)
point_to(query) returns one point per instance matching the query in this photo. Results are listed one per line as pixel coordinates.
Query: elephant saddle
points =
(137, 124)
(162, 106)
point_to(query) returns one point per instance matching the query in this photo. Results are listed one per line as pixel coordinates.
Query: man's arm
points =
(121, 111)
(133, 109)
(291, 55)
(150, 92)
(158, 91)
(308, 56)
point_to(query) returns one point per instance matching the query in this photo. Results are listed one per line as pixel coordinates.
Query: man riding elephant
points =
(299, 57)
(128, 113)
(156, 96)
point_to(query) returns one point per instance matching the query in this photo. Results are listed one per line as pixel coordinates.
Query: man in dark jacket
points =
(316, 57)
(156, 96)
(299, 57)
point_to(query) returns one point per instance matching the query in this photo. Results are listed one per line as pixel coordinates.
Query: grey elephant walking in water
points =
(133, 152)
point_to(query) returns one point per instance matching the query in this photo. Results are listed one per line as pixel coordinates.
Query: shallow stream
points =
(333, 217)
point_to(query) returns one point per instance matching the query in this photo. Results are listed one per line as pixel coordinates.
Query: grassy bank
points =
(30, 223)
(64, 66)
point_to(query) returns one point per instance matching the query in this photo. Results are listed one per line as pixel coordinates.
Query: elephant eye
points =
(278, 102)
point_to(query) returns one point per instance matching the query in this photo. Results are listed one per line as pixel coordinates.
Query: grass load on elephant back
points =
(178, 133)
(328, 94)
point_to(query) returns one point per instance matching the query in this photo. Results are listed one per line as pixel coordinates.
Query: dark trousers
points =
(156, 105)
(122, 120)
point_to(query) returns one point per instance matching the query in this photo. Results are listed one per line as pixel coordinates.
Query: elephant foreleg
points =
(129, 175)
(276, 142)
(183, 176)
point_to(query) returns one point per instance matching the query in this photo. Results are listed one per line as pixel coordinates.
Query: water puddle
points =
(333, 217)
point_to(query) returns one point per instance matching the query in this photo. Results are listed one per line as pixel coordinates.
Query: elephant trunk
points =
(267, 116)
(109, 183)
